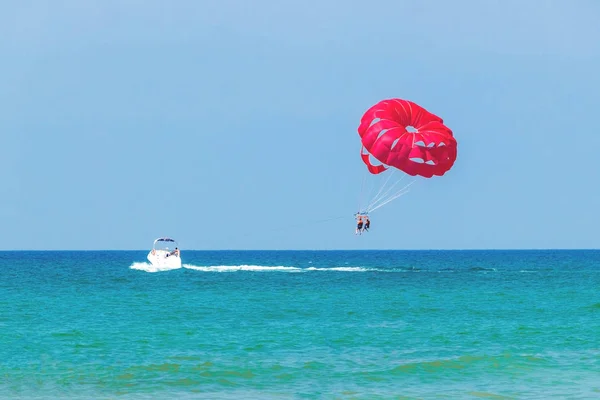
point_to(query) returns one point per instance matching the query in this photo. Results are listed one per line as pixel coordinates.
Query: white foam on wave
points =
(234, 268)
(341, 269)
(144, 266)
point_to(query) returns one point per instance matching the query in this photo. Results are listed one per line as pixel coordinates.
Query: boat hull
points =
(164, 260)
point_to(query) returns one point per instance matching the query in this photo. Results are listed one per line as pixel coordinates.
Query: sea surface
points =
(301, 325)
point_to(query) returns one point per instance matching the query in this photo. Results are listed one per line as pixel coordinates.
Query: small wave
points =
(488, 395)
(482, 269)
(466, 361)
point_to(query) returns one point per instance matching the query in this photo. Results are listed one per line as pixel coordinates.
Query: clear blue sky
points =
(232, 124)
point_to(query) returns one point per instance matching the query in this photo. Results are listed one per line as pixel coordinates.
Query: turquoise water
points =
(301, 325)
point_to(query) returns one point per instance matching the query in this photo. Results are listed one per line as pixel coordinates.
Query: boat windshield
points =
(165, 244)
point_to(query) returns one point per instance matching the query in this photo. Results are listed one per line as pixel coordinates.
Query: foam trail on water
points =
(144, 266)
(147, 267)
(234, 268)
(342, 269)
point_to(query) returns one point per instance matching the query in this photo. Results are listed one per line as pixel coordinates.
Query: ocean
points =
(301, 325)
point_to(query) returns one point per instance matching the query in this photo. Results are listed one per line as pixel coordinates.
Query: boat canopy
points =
(165, 239)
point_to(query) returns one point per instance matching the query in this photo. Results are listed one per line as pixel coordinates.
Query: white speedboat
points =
(165, 254)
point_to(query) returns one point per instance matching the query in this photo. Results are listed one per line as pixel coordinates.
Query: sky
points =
(232, 124)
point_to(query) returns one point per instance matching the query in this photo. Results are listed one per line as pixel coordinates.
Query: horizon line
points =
(372, 249)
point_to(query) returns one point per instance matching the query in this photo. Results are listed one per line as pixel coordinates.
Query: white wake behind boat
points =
(165, 254)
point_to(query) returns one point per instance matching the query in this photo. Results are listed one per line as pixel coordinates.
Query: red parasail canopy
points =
(401, 134)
